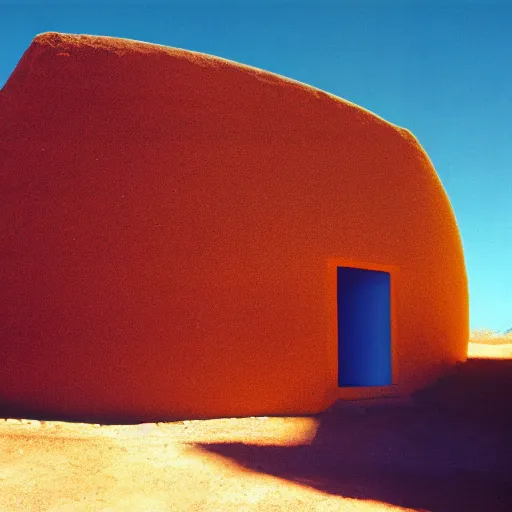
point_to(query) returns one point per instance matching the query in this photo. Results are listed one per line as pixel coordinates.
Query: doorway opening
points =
(364, 327)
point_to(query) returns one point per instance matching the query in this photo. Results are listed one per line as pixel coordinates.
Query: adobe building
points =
(188, 237)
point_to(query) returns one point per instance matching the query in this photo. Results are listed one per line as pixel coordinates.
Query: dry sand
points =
(445, 450)
(489, 344)
(490, 351)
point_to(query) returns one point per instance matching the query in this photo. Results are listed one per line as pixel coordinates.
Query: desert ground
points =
(445, 449)
(488, 344)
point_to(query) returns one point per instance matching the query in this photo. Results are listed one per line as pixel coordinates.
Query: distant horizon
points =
(440, 71)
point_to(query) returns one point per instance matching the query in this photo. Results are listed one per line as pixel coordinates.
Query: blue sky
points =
(442, 69)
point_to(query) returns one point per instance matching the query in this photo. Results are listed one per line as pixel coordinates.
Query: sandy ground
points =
(497, 351)
(447, 449)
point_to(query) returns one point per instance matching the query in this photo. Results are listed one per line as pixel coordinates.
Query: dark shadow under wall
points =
(449, 451)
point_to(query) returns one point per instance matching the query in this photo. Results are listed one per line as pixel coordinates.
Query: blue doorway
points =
(364, 327)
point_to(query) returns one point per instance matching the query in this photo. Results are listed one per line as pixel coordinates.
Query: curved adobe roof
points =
(171, 219)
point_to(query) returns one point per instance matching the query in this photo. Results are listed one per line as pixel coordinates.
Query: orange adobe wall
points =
(171, 225)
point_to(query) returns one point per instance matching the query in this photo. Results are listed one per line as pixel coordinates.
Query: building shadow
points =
(448, 451)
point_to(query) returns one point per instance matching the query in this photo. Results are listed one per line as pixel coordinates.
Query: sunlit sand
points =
(489, 344)
(445, 450)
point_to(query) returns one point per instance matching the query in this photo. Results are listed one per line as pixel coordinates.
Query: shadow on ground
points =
(450, 451)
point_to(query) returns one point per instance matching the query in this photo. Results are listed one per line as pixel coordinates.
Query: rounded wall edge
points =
(447, 321)
(430, 295)
(204, 321)
(435, 294)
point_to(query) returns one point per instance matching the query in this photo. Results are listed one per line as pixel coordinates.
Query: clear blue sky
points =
(442, 69)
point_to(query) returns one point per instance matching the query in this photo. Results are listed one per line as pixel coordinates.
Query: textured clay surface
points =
(170, 222)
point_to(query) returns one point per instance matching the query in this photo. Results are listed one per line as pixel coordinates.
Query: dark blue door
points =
(364, 327)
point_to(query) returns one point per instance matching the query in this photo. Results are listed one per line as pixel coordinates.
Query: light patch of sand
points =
(484, 350)
(67, 467)
(485, 343)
